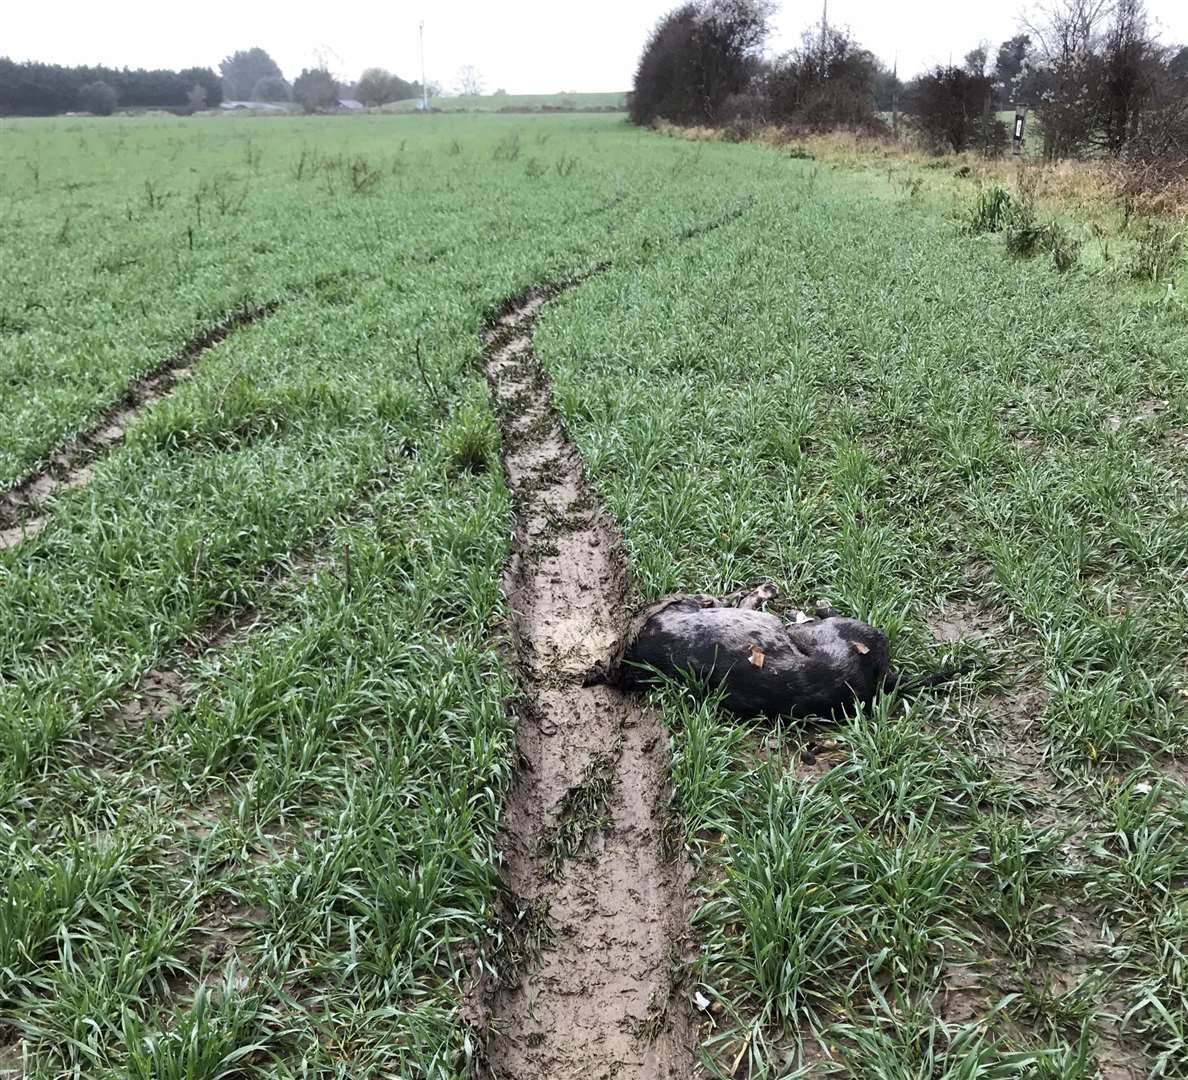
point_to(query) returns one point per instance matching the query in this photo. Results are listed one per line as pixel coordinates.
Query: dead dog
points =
(822, 664)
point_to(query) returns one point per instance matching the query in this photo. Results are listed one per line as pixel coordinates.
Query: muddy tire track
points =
(587, 875)
(69, 465)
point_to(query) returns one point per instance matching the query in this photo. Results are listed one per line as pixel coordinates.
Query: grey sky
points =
(523, 46)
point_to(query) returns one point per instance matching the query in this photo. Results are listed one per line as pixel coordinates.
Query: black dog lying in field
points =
(823, 665)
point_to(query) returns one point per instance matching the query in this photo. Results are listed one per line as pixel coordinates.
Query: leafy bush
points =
(315, 90)
(98, 98)
(377, 86)
(271, 88)
(697, 57)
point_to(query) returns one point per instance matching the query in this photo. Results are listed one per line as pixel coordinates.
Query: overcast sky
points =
(522, 46)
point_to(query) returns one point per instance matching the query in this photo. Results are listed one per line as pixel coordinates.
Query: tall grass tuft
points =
(1158, 250)
(991, 211)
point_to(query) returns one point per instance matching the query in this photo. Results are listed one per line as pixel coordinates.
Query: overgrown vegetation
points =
(1099, 78)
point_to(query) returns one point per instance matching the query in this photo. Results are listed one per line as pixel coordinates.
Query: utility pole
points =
(424, 84)
(824, 21)
(895, 97)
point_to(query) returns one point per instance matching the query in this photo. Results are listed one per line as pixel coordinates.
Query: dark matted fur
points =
(822, 666)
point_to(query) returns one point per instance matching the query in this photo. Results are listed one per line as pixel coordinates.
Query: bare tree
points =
(1132, 62)
(1064, 31)
(1067, 34)
(470, 81)
(828, 82)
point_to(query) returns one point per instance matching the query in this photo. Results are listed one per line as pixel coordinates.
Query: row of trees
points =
(1093, 71)
(36, 89)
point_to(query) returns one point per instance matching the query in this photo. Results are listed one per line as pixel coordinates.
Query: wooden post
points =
(987, 106)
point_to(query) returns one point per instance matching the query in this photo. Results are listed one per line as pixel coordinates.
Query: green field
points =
(257, 704)
(562, 102)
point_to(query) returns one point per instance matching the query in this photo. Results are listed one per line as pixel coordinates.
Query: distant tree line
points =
(37, 89)
(1094, 73)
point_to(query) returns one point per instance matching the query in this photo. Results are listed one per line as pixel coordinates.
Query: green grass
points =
(285, 869)
(845, 393)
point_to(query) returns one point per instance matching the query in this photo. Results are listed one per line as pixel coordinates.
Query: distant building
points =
(263, 106)
(349, 104)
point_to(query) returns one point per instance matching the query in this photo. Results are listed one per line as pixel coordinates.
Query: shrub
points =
(98, 97)
(271, 88)
(315, 90)
(1024, 234)
(697, 57)
(950, 106)
(1158, 251)
(991, 212)
(825, 84)
(1065, 247)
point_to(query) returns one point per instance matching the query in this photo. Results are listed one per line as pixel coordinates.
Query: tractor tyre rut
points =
(584, 857)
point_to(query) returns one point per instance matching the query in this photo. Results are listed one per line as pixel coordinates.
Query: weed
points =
(471, 441)
(363, 176)
(991, 211)
(1065, 248)
(1025, 235)
(1159, 250)
(508, 148)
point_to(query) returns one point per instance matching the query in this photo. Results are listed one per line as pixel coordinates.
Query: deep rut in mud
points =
(596, 919)
(70, 465)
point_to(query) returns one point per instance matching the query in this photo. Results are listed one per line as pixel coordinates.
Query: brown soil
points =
(1148, 408)
(960, 622)
(588, 876)
(69, 466)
